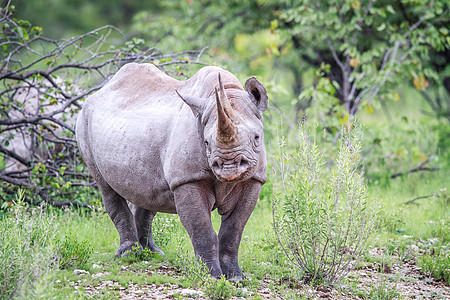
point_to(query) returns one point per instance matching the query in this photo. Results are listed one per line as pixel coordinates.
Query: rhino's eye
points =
(207, 147)
(256, 140)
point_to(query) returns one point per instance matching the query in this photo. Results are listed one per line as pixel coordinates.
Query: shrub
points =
(72, 253)
(383, 291)
(396, 148)
(26, 249)
(197, 271)
(219, 289)
(436, 265)
(137, 253)
(323, 220)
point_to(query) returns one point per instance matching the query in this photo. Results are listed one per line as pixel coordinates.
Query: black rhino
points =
(177, 147)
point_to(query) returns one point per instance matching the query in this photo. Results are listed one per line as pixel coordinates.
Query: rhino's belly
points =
(156, 197)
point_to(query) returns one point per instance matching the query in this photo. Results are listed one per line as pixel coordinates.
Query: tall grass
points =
(27, 241)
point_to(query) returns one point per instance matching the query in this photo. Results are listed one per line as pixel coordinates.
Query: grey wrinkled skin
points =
(171, 146)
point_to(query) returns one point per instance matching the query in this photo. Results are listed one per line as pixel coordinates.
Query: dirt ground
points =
(401, 280)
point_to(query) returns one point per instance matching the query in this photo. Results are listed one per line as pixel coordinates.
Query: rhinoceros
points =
(180, 147)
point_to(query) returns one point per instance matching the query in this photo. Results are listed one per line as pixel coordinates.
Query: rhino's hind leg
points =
(143, 219)
(117, 209)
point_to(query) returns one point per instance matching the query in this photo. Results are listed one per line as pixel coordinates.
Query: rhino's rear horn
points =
(226, 130)
(197, 105)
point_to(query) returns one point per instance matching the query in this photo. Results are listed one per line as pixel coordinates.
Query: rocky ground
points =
(399, 280)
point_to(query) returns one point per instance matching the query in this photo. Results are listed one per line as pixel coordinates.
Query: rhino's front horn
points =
(226, 130)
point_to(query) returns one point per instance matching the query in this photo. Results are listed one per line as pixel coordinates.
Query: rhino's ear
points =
(257, 93)
(198, 105)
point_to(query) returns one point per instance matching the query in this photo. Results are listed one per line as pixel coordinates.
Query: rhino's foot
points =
(155, 248)
(231, 269)
(235, 278)
(125, 249)
(151, 246)
(232, 279)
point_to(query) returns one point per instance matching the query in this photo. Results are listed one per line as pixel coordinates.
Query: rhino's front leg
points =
(233, 223)
(194, 202)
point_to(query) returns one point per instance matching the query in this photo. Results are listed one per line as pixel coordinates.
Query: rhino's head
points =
(232, 128)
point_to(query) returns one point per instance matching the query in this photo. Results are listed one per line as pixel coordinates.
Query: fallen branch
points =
(44, 195)
(61, 204)
(417, 169)
(412, 201)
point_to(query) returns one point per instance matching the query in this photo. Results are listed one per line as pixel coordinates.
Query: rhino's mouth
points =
(231, 169)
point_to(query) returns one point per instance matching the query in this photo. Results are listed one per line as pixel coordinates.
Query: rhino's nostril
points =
(217, 165)
(243, 165)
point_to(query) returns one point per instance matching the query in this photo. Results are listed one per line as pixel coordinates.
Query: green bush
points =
(382, 291)
(436, 265)
(219, 289)
(26, 249)
(197, 271)
(138, 253)
(71, 253)
(323, 220)
(397, 148)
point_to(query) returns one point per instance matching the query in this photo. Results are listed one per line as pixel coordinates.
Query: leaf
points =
(356, 5)
(381, 27)
(369, 108)
(420, 82)
(423, 157)
(354, 62)
(396, 97)
(390, 9)
(273, 26)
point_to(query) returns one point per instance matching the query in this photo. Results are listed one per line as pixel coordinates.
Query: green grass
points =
(424, 223)
(424, 218)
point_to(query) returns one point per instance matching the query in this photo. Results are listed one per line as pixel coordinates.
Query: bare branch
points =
(413, 200)
(335, 56)
(421, 167)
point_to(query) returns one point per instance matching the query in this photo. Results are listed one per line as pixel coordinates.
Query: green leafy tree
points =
(73, 17)
(365, 49)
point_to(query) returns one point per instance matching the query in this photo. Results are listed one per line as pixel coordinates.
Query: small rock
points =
(188, 292)
(245, 291)
(414, 248)
(58, 281)
(94, 266)
(80, 272)
(323, 289)
(101, 274)
(265, 291)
